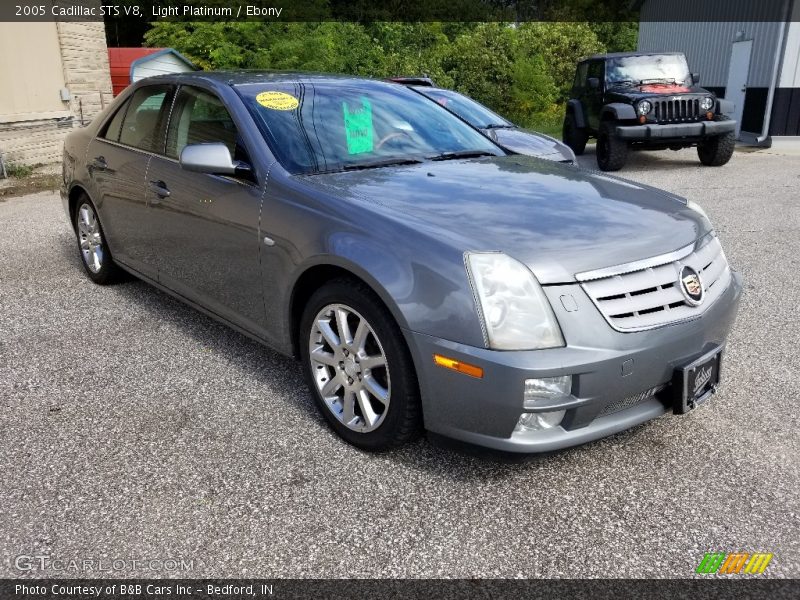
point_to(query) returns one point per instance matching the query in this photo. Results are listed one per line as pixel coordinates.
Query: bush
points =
(522, 71)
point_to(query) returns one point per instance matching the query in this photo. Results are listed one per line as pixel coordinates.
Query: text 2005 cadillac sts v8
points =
(425, 277)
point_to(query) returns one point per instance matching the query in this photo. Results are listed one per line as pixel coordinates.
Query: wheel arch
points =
(617, 111)
(75, 192)
(316, 275)
(576, 108)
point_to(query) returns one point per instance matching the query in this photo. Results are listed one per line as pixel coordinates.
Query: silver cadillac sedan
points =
(426, 278)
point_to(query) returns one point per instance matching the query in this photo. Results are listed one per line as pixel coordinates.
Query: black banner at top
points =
(363, 11)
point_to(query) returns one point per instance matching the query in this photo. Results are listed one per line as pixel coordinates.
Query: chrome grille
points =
(647, 294)
(676, 110)
(630, 401)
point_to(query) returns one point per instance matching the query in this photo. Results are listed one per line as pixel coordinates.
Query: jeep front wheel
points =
(572, 135)
(612, 152)
(718, 150)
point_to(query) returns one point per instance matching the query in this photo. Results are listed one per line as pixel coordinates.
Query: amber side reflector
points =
(457, 365)
(642, 119)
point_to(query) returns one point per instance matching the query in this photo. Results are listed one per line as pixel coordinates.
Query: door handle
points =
(159, 188)
(99, 163)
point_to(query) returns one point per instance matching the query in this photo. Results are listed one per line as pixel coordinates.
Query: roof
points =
(244, 77)
(123, 61)
(119, 62)
(627, 54)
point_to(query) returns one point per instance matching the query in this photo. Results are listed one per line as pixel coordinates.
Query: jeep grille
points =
(675, 111)
(647, 294)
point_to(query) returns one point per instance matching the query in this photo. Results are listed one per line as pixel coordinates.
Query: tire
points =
(92, 248)
(612, 152)
(572, 135)
(718, 150)
(338, 375)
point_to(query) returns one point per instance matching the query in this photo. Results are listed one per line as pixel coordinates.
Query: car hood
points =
(555, 218)
(650, 90)
(530, 143)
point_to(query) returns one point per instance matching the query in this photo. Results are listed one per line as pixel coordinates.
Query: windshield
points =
(666, 68)
(468, 109)
(330, 126)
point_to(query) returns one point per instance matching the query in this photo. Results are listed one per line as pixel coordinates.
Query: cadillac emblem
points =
(691, 286)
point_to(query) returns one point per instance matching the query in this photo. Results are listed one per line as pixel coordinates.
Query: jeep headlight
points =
(644, 107)
(516, 314)
(706, 103)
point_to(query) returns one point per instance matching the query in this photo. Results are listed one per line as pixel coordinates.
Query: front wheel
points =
(718, 150)
(358, 367)
(612, 152)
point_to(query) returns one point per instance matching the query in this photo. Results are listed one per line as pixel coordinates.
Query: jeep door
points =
(207, 225)
(117, 161)
(592, 99)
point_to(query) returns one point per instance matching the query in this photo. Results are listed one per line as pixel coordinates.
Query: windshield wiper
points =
(461, 154)
(497, 126)
(659, 80)
(386, 162)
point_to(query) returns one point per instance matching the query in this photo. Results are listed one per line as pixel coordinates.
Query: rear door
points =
(206, 226)
(117, 162)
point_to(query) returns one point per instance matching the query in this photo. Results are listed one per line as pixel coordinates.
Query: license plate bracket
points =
(696, 382)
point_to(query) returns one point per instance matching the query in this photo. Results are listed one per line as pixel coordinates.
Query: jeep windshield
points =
(323, 127)
(636, 70)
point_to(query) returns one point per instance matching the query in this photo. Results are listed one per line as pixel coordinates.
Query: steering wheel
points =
(391, 136)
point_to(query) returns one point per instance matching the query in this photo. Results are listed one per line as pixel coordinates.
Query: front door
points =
(738, 70)
(206, 226)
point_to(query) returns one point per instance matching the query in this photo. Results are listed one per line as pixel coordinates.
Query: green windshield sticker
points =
(358, 127)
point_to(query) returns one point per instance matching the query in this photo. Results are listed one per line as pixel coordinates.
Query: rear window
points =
(144, 119)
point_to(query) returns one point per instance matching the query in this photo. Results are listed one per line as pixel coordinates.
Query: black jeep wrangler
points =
(645, 101)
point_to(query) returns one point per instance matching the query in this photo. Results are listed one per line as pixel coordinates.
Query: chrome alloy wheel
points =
(90, 238)
(349, 367)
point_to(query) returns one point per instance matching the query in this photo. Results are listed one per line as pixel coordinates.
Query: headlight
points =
(706, 103)
(644, 107)
(515, 312)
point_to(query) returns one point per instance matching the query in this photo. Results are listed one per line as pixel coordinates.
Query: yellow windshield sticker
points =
(277, 100)
(358, 127)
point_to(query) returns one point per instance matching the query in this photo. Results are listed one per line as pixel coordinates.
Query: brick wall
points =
(84, 59)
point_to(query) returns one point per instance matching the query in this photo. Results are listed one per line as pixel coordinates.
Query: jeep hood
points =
(555, 218)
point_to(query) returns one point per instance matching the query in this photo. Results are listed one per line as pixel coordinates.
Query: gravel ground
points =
(135, 428)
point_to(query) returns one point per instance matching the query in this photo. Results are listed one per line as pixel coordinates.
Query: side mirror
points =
(593, 82)
(214, 159)
(695, 78)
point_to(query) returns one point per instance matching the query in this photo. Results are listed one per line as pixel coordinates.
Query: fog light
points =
(546, 388)
(539, 421)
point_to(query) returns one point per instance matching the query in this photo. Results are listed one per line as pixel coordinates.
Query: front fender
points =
(619, 111)
(725, 107)
(423, 285)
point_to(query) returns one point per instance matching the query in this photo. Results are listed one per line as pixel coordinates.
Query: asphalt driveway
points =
(134, 428)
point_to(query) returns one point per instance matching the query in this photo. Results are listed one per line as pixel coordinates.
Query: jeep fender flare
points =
(725, 107)
(618, 111)
(577, 110)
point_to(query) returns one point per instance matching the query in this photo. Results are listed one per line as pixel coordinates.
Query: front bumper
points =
(674, 130)
(606, 366)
